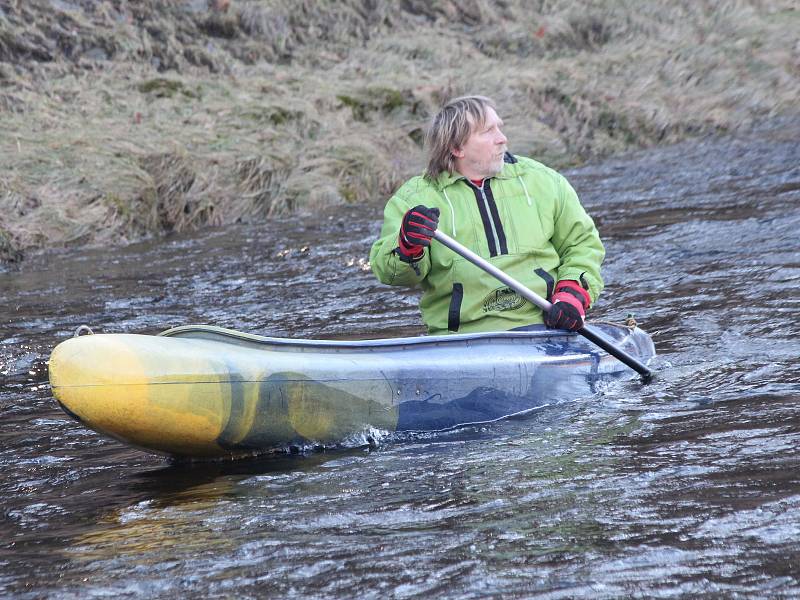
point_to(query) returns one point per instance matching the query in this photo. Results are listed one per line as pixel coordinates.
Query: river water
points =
(687, 486)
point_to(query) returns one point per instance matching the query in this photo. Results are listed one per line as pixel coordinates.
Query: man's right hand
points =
(416, 231)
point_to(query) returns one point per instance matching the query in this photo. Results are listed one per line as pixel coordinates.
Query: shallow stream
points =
(687, 486)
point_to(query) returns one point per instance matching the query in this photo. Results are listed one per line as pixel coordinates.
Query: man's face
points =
(482, 154)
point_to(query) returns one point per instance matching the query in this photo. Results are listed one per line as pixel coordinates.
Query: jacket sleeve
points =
(577, 242)
(385, 263)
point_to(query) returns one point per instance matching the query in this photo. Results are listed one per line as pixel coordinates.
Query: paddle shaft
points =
(590, 333)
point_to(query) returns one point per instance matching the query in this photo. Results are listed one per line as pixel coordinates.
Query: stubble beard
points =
(488, 168)
(495, 166)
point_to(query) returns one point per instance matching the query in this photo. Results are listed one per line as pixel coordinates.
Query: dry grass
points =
(125, 120)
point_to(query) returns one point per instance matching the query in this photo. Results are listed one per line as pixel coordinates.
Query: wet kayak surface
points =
(687, 486)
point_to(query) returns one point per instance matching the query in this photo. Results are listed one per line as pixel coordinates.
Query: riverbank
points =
(120, 122)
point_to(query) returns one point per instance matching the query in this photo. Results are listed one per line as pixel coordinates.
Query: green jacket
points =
(527, 221)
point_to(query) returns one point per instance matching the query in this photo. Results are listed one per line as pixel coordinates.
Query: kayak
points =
(201, 391)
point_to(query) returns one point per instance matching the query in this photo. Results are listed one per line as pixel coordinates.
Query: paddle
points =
(590, 333)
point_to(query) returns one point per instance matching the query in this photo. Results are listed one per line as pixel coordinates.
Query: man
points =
(513, 211)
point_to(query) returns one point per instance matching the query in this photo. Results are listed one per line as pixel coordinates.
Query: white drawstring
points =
(526, 190)
(452, 212)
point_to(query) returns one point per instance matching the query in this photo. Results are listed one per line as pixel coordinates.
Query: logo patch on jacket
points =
(502, 299)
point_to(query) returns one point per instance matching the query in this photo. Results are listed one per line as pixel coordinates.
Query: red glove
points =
(416, 231)
(570, 302)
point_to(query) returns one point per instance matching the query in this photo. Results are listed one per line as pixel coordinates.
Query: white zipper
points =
(491, 219)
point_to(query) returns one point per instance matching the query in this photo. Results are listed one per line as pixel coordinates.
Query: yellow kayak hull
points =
(184, 398)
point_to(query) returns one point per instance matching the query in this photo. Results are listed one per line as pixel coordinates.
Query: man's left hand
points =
(570, 302)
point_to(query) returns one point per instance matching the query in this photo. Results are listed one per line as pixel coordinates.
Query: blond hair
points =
(450, 129)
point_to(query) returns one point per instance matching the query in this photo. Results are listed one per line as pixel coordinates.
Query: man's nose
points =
(501, 139)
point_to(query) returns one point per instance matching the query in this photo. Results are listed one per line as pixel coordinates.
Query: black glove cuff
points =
(412, 261)
(406, 258)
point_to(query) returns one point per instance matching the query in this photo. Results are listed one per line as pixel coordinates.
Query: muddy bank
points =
(121, 121)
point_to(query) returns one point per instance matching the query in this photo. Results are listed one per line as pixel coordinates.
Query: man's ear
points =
(457, 152)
